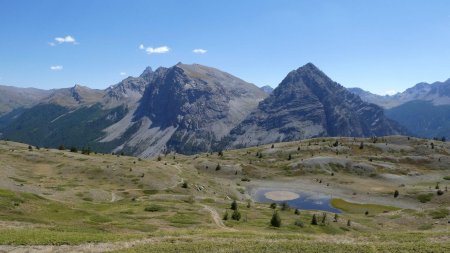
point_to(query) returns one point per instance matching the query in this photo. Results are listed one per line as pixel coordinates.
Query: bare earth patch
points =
(281, 195)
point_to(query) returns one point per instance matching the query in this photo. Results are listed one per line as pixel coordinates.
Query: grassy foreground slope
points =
(53, 200)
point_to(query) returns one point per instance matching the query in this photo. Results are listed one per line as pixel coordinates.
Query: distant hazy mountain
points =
(267, 89)
(423, 109)
(437, 93)
(306, 104)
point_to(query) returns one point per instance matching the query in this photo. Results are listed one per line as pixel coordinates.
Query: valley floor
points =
(61, 201)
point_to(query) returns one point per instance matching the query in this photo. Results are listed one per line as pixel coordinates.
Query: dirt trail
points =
(216, 218)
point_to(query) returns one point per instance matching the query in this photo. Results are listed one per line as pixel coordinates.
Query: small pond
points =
(295, 199)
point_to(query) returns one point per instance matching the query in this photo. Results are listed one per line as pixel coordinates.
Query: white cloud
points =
(157, 50)
(56, 67)
(122, 73)
(154, 50)
(60, 40)
(199, 51)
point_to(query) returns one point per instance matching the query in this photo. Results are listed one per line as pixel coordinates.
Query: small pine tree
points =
(361, 145)
(272, 146)
(336, 217)
(396, 194)
(225, 216)
(220, 153)
(349, 223)
(273, 205)
(432, 145)
(324, 218)
(297, 212)
(61, 147)
(276, 220)
(260, 155)
(218, 167)
(159, 158)
(236, 215)
(284, 206)
(298, 148)
(366, 213)
(289, 157)
(314, 220)
(335, 144)
(249, 204)
(437, 186)
(234, 205)
(30, 148)
(73, 149)
(185, 185)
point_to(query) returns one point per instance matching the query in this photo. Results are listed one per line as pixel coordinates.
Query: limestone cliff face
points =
(306, 104)
(188, 108)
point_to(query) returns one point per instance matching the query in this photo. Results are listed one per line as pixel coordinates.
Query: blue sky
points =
(381, 46)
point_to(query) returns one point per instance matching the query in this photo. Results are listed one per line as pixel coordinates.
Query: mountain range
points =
(190, 109)
(424, 109)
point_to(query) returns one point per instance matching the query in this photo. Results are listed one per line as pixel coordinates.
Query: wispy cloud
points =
(199, 51)
(155, 50)
(66, 39)
(122, 73)
(390, 92)
(56, 67)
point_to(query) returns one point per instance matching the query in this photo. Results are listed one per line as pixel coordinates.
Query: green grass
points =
(355, 208)
(40, 236)
(447, 177)
(255, 245)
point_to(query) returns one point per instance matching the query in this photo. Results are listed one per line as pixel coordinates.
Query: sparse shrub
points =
(154, 208)
(297, 212)
(73, 150)
(218, 167)
(260, 155)
(159, 158)
(236, 215)
(447, 178)
(437, 186)
(234, 205)
(336, 217)
(276, 220)
(185, 185)
(361, 145)
(273, 205)
(249, 204)
(314, 220)
(440, 192)
(289, 157)
(432, 145)
(396, 193)
(349, 223)
(61, 147)
(299, 223)
(284, 206)
(423, 198)
(225, 215)
(440, 213)
(30, 148)
(366, 213)
(220, 153)
(272, 146)
(245, 179)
